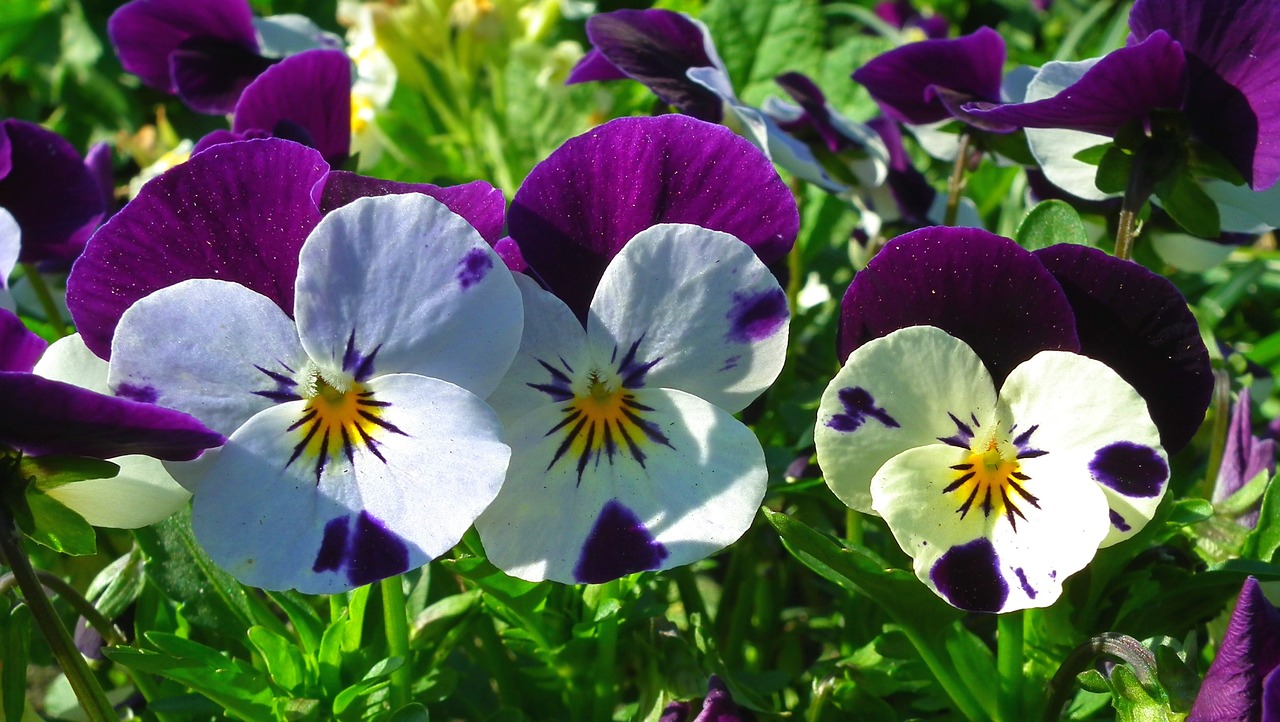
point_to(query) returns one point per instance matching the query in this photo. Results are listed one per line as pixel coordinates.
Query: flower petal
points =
(1138, 324)
(212, 349)
(424, 294)
(682, 499)
(981, 562)
(142, 494)
(238, 212)
(699, 308)
(146, 32)
(1233, 687)
(1092, 425)
(10, 246)
(1055, 149)
(593, 67)
(903, 80)
(19, 348)
(310, 91)
(1234, 73)
(1242, 209)
(50, 192)
(480, 203)
(979, 287)
(372, 511)
(210, 73)
(593, 194)
(914, 387)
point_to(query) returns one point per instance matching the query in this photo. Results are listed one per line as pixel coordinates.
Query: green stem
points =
(606, 666)
(397, 626)
(1136, 194)
(690, 597)
(45, 296)
(1009, 663)
(1221, 419)
(94, 701)
(955, 183)
(947, 676)
(852, 528)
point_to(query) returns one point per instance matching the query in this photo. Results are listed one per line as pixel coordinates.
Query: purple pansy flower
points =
(903, 15)
(42, 417)
(1242, 684)
(717, 706)
(279, 190)
(1244, 457)
(813, 120)
(658, 322)
(49, 191)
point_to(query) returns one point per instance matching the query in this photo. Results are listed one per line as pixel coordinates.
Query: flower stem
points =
(955, 184)
(1116, 645)
(52, 315)
(94, 701)
(397, 628)
(606, 666)
(1136, 193)
(1009, 662)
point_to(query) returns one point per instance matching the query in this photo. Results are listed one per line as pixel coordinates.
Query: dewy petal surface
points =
(1233, 63)
(49, 191)
(227, 353)
(238, 212)
(681, 500)
(479, 202)
(146, 32)
(697, 305)
(1138, 324)
(979, 287)
(279, 519)
(311, 91)
(911, 388)
(578, 207)
(426, 294)
(904, 79)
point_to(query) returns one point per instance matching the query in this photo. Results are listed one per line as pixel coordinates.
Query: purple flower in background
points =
(658, 321)
(813, 120)
(1242, 684)
(1244, 457)
(903, 15)
(243, 211)
(42, 417)
(717, 706)
(52, 194)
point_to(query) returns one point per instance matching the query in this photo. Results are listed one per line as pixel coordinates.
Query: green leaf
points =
(1050, 223)
(1207, 162)
(1190, 511)
(1246, 496)
(410, 713)
(1133, 702)
(306, 622)
(1261, 543)
(1114, 170)
(118, 585)
(1093, 154)
(283, 660)
(1180, 682)
(56, 526)
(441, 616)
(49, 472)
(239, 688)
(759, 41)
(1189, 206)
(16, 635)
(374, 680)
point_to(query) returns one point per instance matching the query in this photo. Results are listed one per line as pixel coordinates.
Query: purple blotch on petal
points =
(1026, 585)
(141, 394)
(1131, 469)
(1118, 521)
(618, 544)
(858, 407)
(376, 552)
(757, 316)
(968, 576)
(333, 548)
(473, 268)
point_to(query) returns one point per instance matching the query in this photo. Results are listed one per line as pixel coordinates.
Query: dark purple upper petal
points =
(578, 207)
(210, 74)
(1232, 690)
(905, 80)
(146, 33)
(1124, 86)
(813, 102)
(311, 90)
(979, 287)
(98, 162)
(480, 203)
(237, 212)
(594, 67)
(49, 191)
(654, 47)
(1233, 64)
(1137, 322)
(41, 417)
(19, 348)
(221, 135)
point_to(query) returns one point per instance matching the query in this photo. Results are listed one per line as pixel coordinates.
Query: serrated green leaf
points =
(760, 40)
(1189, 206)
(1050, 223)
(1180, 682)
(442, 615)
(56, 526)
(283, 660)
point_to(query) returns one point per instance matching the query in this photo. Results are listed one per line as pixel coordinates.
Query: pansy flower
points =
(994, 401)
(658, 321)
(904, 16)
(359, 445)
(674, 56)
(1244, 457)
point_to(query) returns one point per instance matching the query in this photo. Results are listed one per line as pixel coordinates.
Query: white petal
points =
(553, 351)
(403, 281)
(1244, 210)
(289, 34)
(1055, 149)
(908, 389)
(692, 495)
(322, 526)
(70, 361)
(143, 493)
(938, 143)
(1093, 426)
(212, 349)
(1188, 253)
(983, 562)
(698, 305)
(10, 246)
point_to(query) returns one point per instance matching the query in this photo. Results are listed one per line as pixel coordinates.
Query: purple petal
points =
(578, 208)
(676, 712)
(42, 417)
(718, 705)
(50, 192)
(1124, 86)
(146, 32)
(98, 162)
(236, 212)
(1233, 63)
(220, 136)
(904, 80)
(19, 348)
(210, 74)
(810, 98)
(1137, 322)
(594, 67)
(6, 155)
(509, 251)
(656, 47)
(1244, 457)
(311, 90)
(480, 203)
(979, 287)
(910, 189)
(1232, 690)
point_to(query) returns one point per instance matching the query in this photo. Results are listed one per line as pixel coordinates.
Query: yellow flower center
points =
(604, 419)
(339, 416)
(990, 476)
